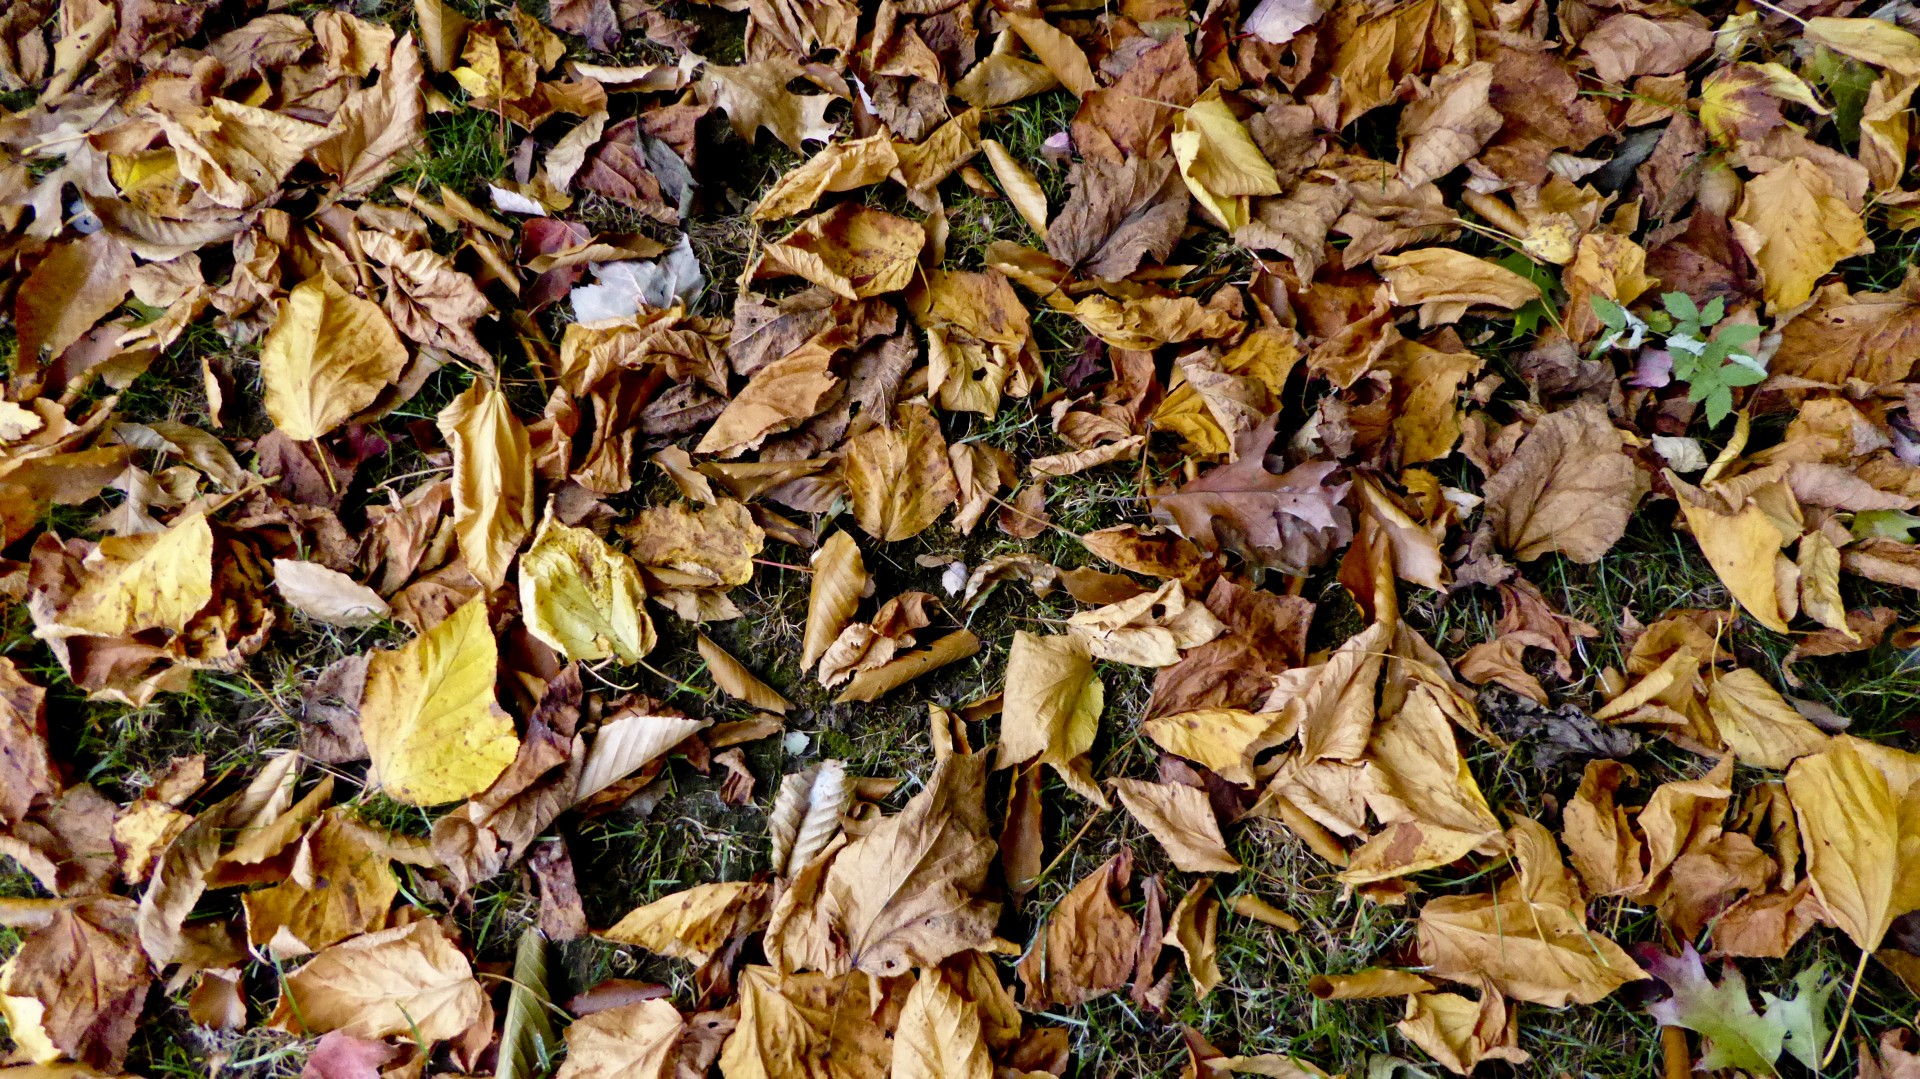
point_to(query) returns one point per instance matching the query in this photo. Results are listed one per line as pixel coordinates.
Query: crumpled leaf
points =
(76, 986)
(1445, 283)
(853, 250)
(1117, 216)
(1052, 708)
(1460, 1033)
(842, 166)
(806, 814)
(582, 597)
(328, 355)
(1149, 630)
(909, 892)
(432, 727)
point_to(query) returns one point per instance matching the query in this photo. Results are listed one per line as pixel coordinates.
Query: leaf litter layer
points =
(801, 539)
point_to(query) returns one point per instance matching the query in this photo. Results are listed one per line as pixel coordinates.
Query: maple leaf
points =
(1737, 1036)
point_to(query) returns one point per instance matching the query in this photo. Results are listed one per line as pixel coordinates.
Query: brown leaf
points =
(1445, 283)
(76, 986)
(1626, 46)
(493, 491)
(1117, 216)
(1795, 226)
(695, 923)
(908, 893)
(1568, 489)
(74, 286)
(1087, 946)
(1292, 520)
(870, 685)
(377, 128)
(940, 1034)
(1449, 124)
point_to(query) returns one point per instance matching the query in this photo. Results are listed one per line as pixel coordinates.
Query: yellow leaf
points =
(843, 166)
(1872, 41)
(899, 478)
(1819, 565)
(328, 355)
(696, 923)
(1052, 710)
(1182, 819)
(939, 1035)
(157, 580)
(1742, 548)
(1219, 161)
(1794, 224)
(1445, 283)
(1225, 740)
(1060, 53)
(840, 580)
(1861, 825)
(433, 731)
(1371, 984)
(852, 250)
(492, 480)
(1028, 198)
(340, 888)
(1191, 928)
(582, 597)
(1148, 630)
(1460, 1033)
(1758, 724)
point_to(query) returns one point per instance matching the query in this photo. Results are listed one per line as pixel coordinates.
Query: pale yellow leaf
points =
(492, 480)
(1052, 708)
(582, 597)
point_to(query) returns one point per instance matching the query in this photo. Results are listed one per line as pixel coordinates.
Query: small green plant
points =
(1710, 364)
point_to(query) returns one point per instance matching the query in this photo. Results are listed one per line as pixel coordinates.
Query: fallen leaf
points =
(852, 250)
(1052, 708)
(1191, 928)
(492, 480)
(1795, 227)
(1087, 946)
(695, 923)
(327, 595)
(1219, 161)
(1569, 489)
(158, 580)
(1861, 852)
(840, 581)
(755, 96)
(582, 597)
(432, 727)
(737, 681)
(328, 355)
(899, 478)
(939, 1035)
(408, 981)
(1758, 724)
(1182, 819)
(637, 1040)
